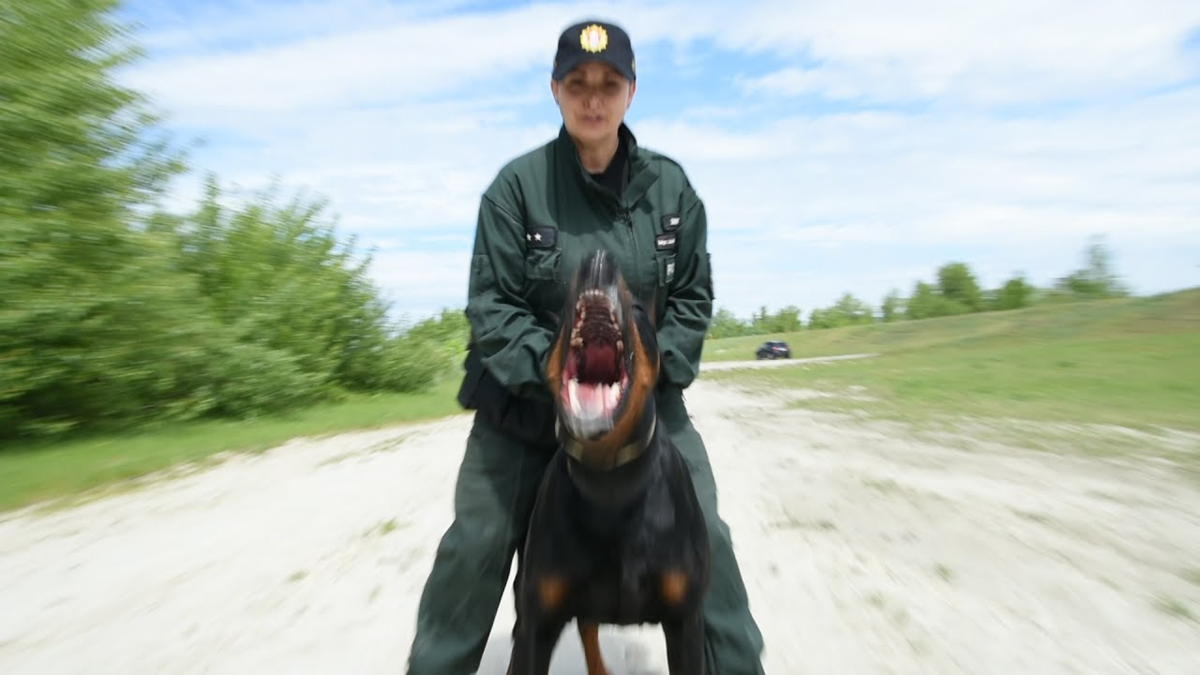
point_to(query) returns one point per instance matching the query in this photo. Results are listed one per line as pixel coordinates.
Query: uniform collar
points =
(641, 174)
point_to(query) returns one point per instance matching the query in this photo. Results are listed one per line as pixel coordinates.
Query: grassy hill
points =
(32, 472)
(1133, 362)
(1171, 313)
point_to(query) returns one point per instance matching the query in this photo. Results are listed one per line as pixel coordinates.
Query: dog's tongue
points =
(600, 364)
(592, 399)
(596, 400)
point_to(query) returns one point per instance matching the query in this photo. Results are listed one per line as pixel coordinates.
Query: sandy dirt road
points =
(865, 551)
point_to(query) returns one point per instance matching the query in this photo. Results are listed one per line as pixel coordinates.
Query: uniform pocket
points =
(666, 270)
(541, 264)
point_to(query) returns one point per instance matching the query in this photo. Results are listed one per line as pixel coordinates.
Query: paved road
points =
(778, 363)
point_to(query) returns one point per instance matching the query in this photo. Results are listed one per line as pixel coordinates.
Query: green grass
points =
(1172, 313)
(1131, 362)
(33, 473)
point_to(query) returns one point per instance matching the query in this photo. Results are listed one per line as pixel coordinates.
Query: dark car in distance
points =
(774, 350)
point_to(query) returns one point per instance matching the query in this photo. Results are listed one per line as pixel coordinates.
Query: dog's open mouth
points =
(596, 369)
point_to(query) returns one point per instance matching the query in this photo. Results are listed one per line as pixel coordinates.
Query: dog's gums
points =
(596, 372)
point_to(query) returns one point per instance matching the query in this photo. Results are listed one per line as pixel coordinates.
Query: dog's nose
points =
(598, 268)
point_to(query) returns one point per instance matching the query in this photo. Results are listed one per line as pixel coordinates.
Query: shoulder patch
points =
(541, 237)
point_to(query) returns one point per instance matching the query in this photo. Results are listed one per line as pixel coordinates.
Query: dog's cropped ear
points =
(652, 308)
(645, 324)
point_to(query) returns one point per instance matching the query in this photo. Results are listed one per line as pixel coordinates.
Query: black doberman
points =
(617, 535)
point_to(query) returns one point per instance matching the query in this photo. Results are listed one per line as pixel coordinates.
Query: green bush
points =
(115, 313)
(249, 380)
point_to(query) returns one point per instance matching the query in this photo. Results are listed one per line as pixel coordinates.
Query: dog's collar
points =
(625, 454)
(624, 481)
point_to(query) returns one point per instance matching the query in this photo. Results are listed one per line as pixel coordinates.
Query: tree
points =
(725, 324)
(852, 310)
(114, 312)
(786, 320)
(847, 311)
(957, 284)
(1096, 279)
(927, 302)
(90, 318)
(761, 321)
(922, 303)
(1016, 293)
(892, 308)
(276, 276)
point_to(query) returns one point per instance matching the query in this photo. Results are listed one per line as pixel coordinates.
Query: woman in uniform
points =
(591, 187)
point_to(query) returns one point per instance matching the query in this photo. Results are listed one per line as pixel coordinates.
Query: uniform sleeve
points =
(689, 300)
(510, 342)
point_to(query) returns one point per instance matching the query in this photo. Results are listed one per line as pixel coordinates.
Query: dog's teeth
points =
(620, 346)
(576, 341)
(573, 392)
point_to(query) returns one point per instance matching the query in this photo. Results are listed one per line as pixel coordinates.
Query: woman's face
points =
(593, 99)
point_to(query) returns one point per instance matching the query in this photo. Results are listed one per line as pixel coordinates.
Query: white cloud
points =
(393, 61)
(218, 26)
(420, 283)
(1016, 51)
(1006, 194)
(797, 196)
(945, 177)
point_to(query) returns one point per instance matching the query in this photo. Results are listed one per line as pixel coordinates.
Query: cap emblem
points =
(593, 38)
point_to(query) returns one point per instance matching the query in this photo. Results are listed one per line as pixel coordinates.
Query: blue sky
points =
(839, 146)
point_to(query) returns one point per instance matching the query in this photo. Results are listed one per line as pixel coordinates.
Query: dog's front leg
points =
(533, 645)
(589, 633)
(685, 644)
(541, 622)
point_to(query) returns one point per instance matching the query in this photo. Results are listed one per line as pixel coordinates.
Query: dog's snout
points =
(598, 269)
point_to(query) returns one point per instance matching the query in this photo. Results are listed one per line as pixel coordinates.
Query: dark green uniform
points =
(542, 213)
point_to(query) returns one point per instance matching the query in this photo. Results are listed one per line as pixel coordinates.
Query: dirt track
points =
(865, 551)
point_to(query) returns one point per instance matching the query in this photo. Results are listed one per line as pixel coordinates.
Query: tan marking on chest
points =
(674, 588)
(551, 592)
